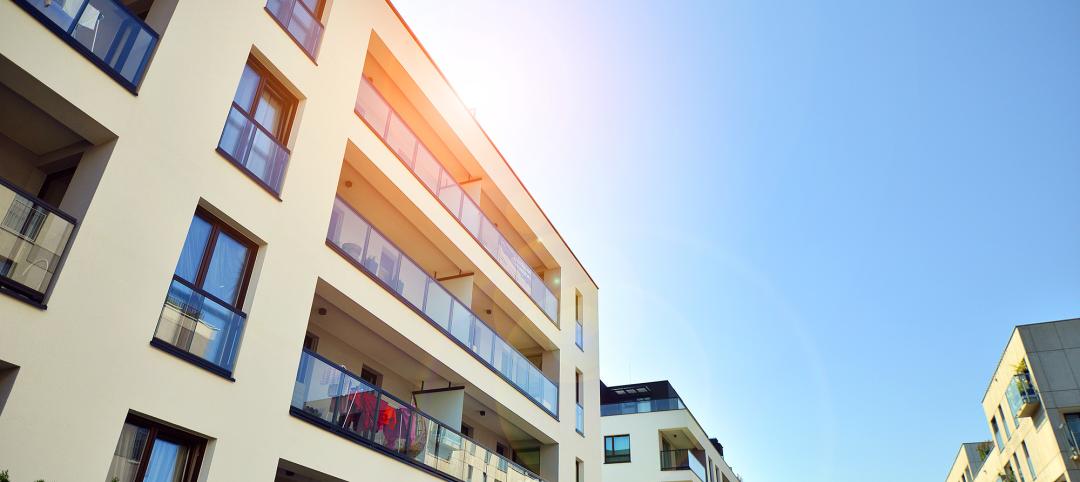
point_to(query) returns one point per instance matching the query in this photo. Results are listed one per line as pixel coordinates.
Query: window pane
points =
(269, 111)
(249, 83)
(167, 461)
(129, 449)
(194, 247)
(226, 270)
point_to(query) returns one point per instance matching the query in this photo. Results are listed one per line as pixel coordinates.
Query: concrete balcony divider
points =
(351, 236)
(389, 126)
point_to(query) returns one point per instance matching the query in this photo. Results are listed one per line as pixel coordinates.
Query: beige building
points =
(650, 435)
(1032, 410)
(255, 240)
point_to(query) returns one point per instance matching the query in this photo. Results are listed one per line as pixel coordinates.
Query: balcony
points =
(337, 400)
(391, 128)
(254, 150)
(103, 31)
(200, 328)
(682, 459)
(33, 239)
(1022, 396)
(641, 406)
(301, 20)
(353, 237)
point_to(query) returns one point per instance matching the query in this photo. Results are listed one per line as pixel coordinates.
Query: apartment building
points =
(264, 240)
(1032, 410)
(650, 435)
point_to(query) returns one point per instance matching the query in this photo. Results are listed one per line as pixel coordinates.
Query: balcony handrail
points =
(207, 295)
(382, 134)
(654, 406)
(420, 311)
(384, 393)
(39, 203)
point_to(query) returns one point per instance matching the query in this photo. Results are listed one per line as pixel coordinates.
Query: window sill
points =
(194, 360)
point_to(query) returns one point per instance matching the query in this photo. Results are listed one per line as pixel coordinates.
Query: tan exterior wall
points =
(645, 446)
(85, 361)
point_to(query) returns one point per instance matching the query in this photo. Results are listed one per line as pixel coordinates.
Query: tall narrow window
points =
(302, 20)
(1027, 459)
(1016, 466)
(579, 470)
(616, 449)
(151, 452)
(579, 316)
(579, 397)
(257, 128)
(1004, 424)
(202, 318)
(997, 433)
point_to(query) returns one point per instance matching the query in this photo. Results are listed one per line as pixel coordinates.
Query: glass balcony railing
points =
(682, 459)
(200, 326)
(33, 239)
(104, 31)
(579, 419)
(354, 238)
(340, 401)
(388, 125)
(298, 18)
(253, 149)
(1021, 394)
(641, 406)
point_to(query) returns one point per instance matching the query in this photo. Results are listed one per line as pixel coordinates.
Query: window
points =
(257, 128)
(311, 342)
(202, 320)
(373, 377)
(466, 430)
(579, 397)
(1027, 458)
(579, 316)
(151, 452)
(616, 449)
(1016, 466)
(1005, 425)
(300, 18)
(997, 433)
(579, 471)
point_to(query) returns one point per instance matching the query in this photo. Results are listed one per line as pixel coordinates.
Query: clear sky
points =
(819, 220)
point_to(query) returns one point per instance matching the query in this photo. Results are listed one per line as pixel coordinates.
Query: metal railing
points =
(299, 20)
(33, 239)
(682, 459)
(338, 400)
(389, 126)
(200, 324)
(104, 31)
(254, 149)
(354, 238)
(1021, 395)
(641, 406)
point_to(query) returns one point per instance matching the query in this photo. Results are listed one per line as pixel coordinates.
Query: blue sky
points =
(819, 220)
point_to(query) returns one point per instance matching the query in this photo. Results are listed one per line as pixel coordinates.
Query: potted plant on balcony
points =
(1028, 397)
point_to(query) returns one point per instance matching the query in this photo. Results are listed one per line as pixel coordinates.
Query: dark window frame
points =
(196, 444)
(217, 226)
(608, 455)
(267, 81)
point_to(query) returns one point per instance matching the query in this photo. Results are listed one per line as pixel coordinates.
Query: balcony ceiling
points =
(31, 127)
